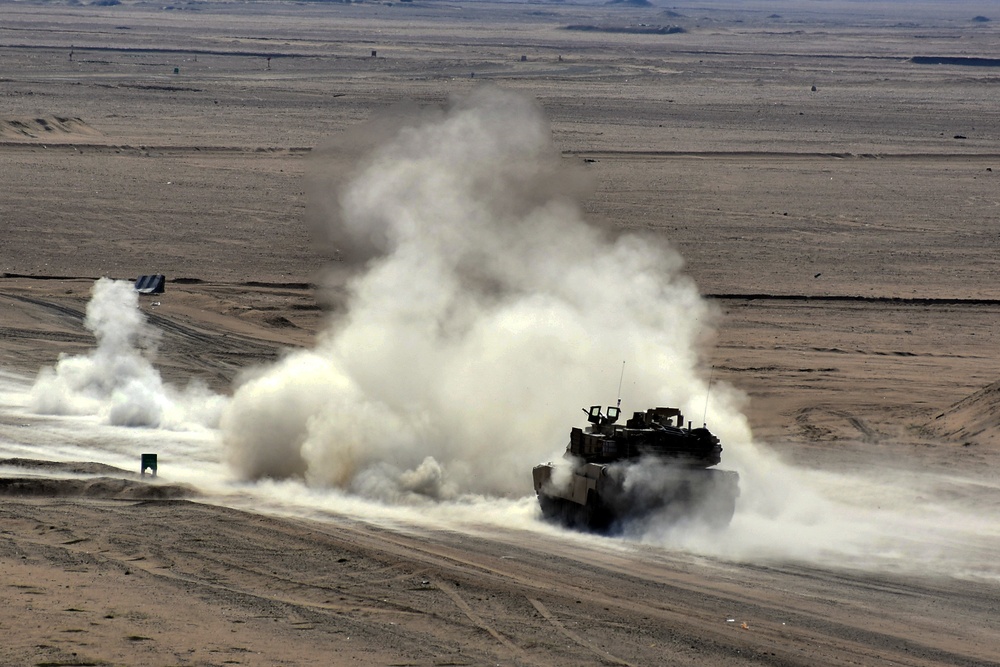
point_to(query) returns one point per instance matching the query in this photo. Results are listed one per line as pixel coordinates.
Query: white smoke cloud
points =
(484, 311)
(481, 313)
(116, 380)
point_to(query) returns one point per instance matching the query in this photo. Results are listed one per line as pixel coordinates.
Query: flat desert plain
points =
(826, 172)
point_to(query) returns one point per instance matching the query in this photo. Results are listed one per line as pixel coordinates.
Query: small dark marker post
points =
(147, 462)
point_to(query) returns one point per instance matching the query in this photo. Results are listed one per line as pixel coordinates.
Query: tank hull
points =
(606, 497)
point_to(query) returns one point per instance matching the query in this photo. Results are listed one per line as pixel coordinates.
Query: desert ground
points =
(834, 198)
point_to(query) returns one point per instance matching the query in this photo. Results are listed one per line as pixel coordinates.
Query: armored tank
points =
(651, 465)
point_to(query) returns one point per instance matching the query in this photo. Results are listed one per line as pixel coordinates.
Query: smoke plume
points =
(116, 380)
(482, 312)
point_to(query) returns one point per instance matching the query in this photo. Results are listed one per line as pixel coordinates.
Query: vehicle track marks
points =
(543, 610)
(479, 621)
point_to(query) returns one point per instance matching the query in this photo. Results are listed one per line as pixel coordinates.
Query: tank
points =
(653, 465)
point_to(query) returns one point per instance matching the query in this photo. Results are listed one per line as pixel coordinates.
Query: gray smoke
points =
(482, 312)
(117, 381)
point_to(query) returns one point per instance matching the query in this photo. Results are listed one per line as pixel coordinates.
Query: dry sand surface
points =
(836, 201)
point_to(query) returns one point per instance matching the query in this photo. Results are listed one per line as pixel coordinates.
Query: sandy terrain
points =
(837, 203)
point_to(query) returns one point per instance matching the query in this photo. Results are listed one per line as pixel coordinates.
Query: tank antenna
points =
(704, 418)
(620, 384)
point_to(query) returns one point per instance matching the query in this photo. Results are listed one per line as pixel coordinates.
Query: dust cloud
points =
(482, 312)
(117, 381)
(888, 520)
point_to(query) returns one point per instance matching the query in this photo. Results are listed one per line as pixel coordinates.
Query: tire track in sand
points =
(604, 655)
(478, 620)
